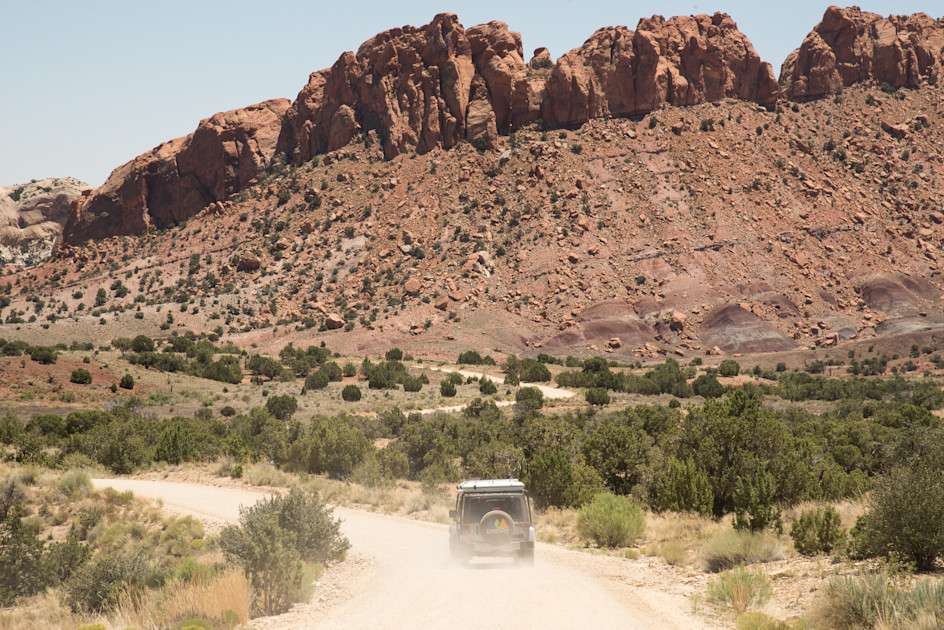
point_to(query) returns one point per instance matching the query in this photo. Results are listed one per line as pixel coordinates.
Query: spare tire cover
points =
(496, 527)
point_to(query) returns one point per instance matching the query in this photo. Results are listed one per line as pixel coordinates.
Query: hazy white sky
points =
(89, 85)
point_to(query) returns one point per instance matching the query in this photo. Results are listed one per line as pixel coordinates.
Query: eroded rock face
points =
(418, 88)
(177, 179)
(681, 61)
(38, 210)
(853, 46)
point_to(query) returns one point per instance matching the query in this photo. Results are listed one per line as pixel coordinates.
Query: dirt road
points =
(409, 581)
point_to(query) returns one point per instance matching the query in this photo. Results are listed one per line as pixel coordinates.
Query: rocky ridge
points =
(416, 89)
(851, 46)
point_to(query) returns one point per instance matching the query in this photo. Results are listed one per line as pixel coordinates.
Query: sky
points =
(90, 85)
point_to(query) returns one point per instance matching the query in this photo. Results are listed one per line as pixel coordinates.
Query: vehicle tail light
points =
(523, 527)
(466, 529)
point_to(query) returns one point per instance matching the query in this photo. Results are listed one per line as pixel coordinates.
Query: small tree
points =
(316, 380)
(447, 388)
(707, 386)
(351, 393)
(487, 387)
(142, 343)
(127, 382)
(611, 521)
(282, 407)
(754, 507)
(729, 367)
(529, 399)
(394, 354)
(597, 396)
(81, 376)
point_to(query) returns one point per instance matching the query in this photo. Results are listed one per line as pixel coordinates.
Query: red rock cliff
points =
(852, 46)
(177, 179)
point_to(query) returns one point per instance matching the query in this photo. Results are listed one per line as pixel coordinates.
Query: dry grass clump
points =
(880, 602)
(553, 525)
(735, 548)
(740, 589)
(674, 553)
(267, 475)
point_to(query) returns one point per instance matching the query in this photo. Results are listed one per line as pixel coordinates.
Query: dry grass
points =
(734, 548)
(224, 598)
(674, 553)
(740, 589)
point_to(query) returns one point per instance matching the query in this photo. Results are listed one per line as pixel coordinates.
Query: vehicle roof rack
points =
(491, 485)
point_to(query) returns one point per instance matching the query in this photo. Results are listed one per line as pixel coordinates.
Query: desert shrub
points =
(316, 380)
(351, 393)
(44, 355)
(74, 483)
(754, 507)
(550, 479)
(528, 399)
(680, 486)
(11, 429)
(512, 380)
(876, 601)
(282, 407)
(25, 570)
(394, 354)
(597, 396)
(729, 367)
(739, 548)
(126, 382)
(611, 521)
(707, 386)
(142, 343)
(817, 531)
(273, 541)
(411, 384)
(673, 553)
(334, 371)
(447, 389)
(740, 589)
(332, 446)
(906, 516)
(228, 411)
(757, 620)
(487, 387)
(471, 357)
(81, 376)
(95, 586)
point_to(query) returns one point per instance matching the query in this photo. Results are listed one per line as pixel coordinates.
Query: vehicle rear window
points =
(475, 507)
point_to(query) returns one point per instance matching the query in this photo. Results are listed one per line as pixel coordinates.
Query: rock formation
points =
(853, 46)
(38, 210)
(177, 179)
(682, 61)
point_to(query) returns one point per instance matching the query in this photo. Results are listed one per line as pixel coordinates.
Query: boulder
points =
(333, 321)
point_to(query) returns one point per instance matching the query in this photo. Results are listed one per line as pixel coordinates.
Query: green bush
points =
(412, 385)
(447, 389)
(274, 540)
(528, 399)
(906, 516)
(754, 507)
(80, 376)
(739, 548)
(597, 396)
(729, 367)
(740, 589)
(680, 486)
(282, 407)
(611, 521)
(707, 386)
(394, 354)
(351, 393)
(95, 586)
(817, 531)
(142, 343)
(487, 387)
(25, 569)
(127, 382)
(44, 355)
(316, 380)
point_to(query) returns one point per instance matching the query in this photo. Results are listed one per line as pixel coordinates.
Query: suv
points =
(492, 518)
